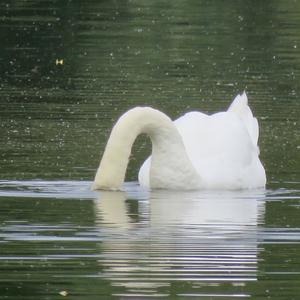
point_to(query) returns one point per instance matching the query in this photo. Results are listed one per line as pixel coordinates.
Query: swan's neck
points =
(169, 164)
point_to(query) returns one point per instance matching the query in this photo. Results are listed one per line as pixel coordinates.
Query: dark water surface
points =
(68, 69)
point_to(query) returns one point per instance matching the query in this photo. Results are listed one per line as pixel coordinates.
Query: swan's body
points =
(196, 151)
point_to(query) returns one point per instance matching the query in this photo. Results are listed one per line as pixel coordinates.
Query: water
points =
(67, 71)
(59, 237)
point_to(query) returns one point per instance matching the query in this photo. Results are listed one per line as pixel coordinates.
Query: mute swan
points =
(196, 151)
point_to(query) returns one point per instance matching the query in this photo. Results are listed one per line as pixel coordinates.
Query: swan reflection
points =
(182, 236)
(111, 207)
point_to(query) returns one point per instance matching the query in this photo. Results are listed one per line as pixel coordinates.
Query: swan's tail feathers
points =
(240, 107)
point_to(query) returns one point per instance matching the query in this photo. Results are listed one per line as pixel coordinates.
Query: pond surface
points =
(68, 69)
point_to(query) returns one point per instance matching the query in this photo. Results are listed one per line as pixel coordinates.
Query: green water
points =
(68, 69)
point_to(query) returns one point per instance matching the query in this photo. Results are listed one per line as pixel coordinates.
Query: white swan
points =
(196, 151)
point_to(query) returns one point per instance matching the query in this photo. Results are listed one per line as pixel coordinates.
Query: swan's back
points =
(222, 147)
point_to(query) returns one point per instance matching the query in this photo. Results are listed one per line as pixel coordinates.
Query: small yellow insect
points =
(59, 62)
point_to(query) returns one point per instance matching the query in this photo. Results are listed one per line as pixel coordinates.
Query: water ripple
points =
(144, 242)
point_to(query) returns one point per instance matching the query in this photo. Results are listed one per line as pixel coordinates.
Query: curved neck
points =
(168, 152)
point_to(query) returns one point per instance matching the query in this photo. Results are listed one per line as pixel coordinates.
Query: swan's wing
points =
(144, 173)
(222, 149)
(240, 107)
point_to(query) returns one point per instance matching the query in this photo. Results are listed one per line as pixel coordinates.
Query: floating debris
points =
(63, 293)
